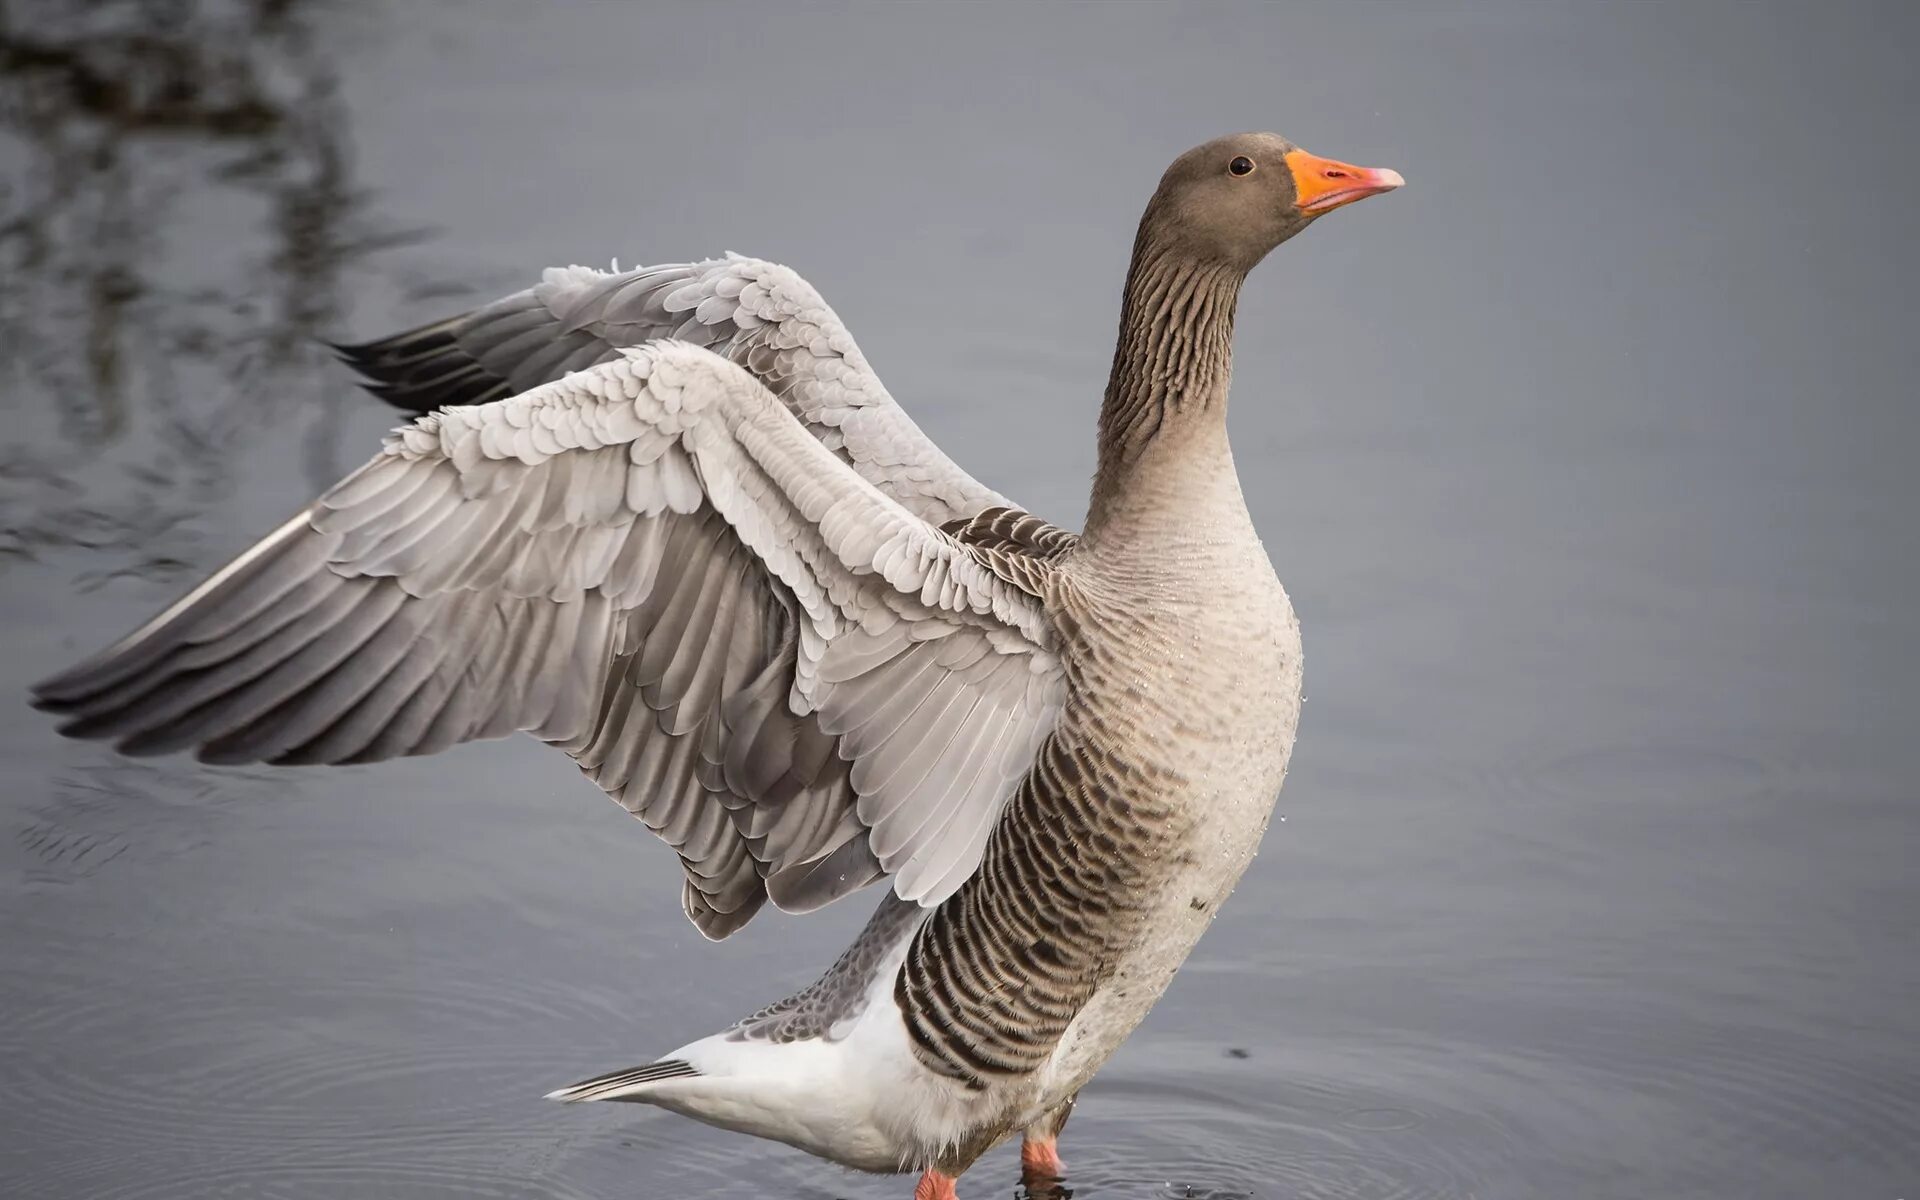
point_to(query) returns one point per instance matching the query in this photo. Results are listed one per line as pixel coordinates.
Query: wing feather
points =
(757, 314)
(785, 671)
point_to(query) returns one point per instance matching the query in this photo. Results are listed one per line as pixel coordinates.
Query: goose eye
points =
(1241, 165)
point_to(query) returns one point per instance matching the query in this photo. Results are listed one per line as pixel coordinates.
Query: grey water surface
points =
(1588, 459)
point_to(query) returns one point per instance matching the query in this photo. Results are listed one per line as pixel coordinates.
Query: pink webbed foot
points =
(1040, 1164)
(935, 1185)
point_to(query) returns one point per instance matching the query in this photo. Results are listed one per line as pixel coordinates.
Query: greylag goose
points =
(669, 521)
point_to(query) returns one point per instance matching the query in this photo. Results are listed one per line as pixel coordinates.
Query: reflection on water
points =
(174, 241)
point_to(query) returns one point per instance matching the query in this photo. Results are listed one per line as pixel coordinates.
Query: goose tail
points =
(631, 1084)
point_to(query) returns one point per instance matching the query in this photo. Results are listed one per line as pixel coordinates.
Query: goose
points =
(669, 521)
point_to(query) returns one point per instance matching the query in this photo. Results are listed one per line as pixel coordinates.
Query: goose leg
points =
(935, 1184)
(1040, 1165)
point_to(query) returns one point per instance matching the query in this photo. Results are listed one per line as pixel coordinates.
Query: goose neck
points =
(1166, 399)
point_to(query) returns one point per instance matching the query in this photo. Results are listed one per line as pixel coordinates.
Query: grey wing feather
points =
(760, 315)
(795, 682)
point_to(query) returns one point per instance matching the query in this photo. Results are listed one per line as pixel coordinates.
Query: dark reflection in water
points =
(1597, 874)
(137, 129)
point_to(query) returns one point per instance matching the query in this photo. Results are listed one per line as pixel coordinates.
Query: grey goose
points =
(669, 521)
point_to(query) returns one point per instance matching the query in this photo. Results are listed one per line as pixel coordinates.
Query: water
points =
(1587, 459)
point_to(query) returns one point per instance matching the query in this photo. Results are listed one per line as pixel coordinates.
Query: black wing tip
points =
(126, 742)
(67, 687)
(417, 370)
(56, 699)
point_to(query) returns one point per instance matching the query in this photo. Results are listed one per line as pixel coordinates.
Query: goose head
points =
(1235, 198)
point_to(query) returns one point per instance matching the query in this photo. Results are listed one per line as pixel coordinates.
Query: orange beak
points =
(1322, 185)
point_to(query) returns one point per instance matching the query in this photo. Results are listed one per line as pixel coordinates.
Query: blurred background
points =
(1587, 459)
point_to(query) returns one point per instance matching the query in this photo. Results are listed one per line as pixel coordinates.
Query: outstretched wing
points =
(760, 315)
(797, 683)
